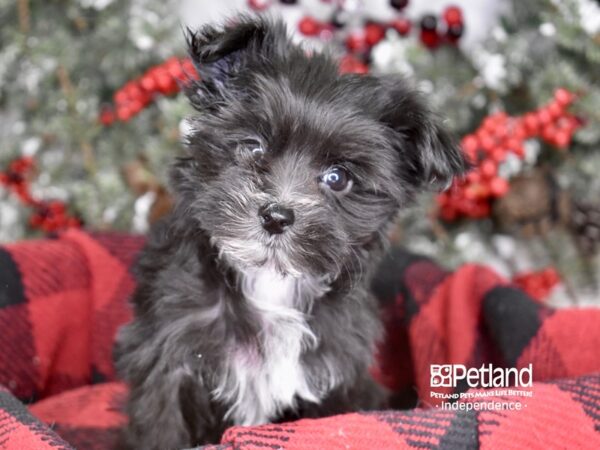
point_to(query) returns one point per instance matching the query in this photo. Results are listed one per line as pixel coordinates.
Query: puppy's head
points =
(293, 165)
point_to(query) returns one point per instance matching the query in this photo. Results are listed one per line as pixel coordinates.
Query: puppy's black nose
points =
(275, 218)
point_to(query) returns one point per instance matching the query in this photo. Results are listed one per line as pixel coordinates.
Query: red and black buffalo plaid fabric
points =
(62, 300)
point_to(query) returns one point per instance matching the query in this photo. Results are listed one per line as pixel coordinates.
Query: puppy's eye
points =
(256, 151)
(337, 179)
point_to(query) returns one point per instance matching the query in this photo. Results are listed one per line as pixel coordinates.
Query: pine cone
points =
(532, 206)
(585, 225)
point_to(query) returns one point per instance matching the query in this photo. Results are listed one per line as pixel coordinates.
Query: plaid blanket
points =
(62, 300)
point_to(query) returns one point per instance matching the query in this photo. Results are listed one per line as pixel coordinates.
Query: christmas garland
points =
(432, 33)
(497, 139)
(169, 77)
(164, 79)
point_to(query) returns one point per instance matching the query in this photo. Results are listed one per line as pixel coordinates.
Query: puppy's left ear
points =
(221, 54)
(430, 155)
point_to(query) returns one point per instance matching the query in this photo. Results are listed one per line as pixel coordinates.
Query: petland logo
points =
(486, 376)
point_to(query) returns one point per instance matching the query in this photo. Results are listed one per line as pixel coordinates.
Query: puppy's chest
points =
(266, 378)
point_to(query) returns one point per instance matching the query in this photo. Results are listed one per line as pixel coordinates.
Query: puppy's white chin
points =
(250, 255)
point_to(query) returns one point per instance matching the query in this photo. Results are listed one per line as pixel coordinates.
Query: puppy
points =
(253, 302)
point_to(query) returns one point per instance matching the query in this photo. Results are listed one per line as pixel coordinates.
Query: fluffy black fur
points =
(192, 314)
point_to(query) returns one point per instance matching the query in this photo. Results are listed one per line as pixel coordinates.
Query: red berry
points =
(144, 98)
(484, 191)
(470, 143)
(402, 25)
(498, 130)
(563, 97)
(473, 177)
(175, 68)
(453, 15)
(488, 168)
(562, 138)
(512, 144)
(532, 123)
(544, 117)
(132, 90)
(135, 106)
(487, 141)
(124, 113)
(308, 26)
(259, 5)
(350, 64)
(374, 33)
(166, 84)
(555, 110)
(56, 207)
(21, 164)
(107, 116)
(549, 133)
(498, 154)
(355, 42)
(148, 83)
(471, 192)
(430, 39)
(499, 186)
(120, 97)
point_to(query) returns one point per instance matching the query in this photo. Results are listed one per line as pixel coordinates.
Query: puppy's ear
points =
(430, 154)
(221, 54)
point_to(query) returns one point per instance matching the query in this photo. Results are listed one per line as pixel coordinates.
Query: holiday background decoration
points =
(88, 132)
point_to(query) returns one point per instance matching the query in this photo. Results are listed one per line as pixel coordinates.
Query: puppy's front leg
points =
(169, 410)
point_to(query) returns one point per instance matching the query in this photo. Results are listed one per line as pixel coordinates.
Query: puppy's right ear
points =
(221, 54)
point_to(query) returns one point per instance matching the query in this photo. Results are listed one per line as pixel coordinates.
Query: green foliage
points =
(58, 70)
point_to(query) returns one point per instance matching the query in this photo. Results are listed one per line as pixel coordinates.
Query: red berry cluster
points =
(538, 284)
(15, 178)
(452, 29)
(165, 79)
(361, 41)
(498, 136)
(48, 216)
(52, 216)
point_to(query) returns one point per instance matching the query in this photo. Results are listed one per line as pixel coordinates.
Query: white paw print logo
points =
(441, 375)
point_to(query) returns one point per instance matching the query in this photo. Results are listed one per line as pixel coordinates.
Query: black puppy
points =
(253, 302)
